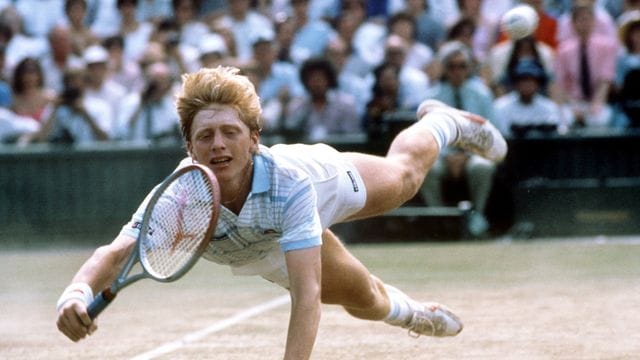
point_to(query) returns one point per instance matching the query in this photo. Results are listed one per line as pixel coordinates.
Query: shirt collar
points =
(261, 178)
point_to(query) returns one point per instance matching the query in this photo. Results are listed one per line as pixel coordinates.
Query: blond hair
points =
(221, 85)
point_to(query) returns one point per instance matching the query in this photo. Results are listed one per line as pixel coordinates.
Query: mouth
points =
(220, 161)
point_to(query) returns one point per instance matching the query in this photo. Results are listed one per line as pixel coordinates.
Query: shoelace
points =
(420, 324)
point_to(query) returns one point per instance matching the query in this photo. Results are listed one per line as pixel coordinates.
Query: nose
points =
(217, 141)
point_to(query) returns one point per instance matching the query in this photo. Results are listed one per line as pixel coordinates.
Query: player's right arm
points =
(98, 272)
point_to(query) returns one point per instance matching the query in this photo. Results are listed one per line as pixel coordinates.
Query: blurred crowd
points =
(79, 71)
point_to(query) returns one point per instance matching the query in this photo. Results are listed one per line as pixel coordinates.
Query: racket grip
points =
(100, 302)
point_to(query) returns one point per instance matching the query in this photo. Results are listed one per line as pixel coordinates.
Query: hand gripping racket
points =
(176, 227)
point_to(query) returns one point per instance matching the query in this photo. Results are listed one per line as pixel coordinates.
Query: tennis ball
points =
(519, 22)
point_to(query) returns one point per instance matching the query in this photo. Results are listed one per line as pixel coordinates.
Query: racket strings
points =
(178, 225)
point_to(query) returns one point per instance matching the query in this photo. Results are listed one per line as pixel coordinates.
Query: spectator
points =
(557, 8)
(603, 23)
(39, 16)
(81, 35)
(181, 57)
(485, 31)
(446, 10)
(190, 29)
(627, 83)
(463, 31)
(585, 70)
(30, 96)
(104, 18)
(277, 79)
(369, 38)
(285, 32)
(430, 30)
(504, 57)
(59, 57)
(154, 52)
(460, 87)
(347, 25)
(213, 51)
(311, 37)
(15, 128)
(384, 100)
(122, 70)
(150, 114)
(419, 55)
(414, 83)
(525, 108)
(136, 34)
(246, 25)
(153, 11)
(99, 82)
(324, 111)
(495, 8)
(6, 96)
(221, 25)
(324, 9)
(349, 81)
(76, 119)
(18, 44)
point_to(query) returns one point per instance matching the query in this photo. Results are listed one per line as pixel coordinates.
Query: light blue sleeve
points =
(301, 222)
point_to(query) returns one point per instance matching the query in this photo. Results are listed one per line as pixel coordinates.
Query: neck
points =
(319, 99)
(526, 99)
(233, 199)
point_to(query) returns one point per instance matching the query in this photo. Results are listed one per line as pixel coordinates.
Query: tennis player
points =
(278, 204)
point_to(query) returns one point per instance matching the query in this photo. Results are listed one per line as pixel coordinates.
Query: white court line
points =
(218, 326)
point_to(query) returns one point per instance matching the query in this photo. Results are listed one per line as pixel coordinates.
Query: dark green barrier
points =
(88, 191)
(565, 185)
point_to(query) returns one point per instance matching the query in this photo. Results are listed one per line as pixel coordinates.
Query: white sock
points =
(402, 307)
(441, 126)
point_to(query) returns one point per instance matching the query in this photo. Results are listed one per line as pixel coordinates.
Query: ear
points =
(189, 149)
(255, 141)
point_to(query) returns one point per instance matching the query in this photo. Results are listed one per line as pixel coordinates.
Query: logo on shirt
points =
(353, 181)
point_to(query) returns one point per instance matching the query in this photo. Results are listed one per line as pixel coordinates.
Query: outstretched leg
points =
(347, 282)
(395, 178)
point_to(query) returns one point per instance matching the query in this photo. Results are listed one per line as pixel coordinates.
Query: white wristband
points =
(80, 291)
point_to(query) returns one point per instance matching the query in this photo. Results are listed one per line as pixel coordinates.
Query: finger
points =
(84, 319)
(92, 328)
(64, 329)
(81, 311)
(70, 325)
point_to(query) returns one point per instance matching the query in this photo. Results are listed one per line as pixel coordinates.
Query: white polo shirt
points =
(297, 190)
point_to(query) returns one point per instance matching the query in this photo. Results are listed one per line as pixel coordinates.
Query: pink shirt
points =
(604, 24)
(602, 64)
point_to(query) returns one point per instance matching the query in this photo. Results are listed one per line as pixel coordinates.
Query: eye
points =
(205, 136)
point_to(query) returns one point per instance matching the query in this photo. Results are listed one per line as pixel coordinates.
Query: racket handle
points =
(100, 302)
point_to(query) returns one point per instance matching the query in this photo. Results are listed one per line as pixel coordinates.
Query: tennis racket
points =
(176, 227)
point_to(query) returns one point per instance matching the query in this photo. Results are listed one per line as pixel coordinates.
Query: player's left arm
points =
(304, 267)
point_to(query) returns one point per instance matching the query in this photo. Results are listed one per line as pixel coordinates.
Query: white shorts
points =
(339, 186)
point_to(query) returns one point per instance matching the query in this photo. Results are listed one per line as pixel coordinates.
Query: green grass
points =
(551, 299)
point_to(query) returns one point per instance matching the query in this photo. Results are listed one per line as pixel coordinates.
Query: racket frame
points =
(104, 298)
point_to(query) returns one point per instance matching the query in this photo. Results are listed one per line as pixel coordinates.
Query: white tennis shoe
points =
(478, 136)
(434, 320)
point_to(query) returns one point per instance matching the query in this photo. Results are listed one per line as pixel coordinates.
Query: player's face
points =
(220, 140)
